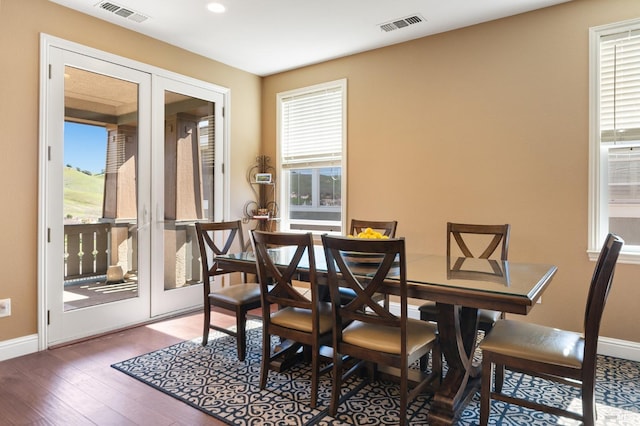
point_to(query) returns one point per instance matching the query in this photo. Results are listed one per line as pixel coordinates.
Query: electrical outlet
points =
(5, 307)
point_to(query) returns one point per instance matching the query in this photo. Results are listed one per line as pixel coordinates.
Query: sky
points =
(85, 146)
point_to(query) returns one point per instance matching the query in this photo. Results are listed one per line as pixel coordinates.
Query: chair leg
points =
(588, 404)
(315, 372)
(336, 384)
(307, 353)
(424, 361)
(436, 362)
(207, 321)
(241, 334)
(372, 370)
(266, 358)
(423, 316)
(485, 392)
(404, 395)
(499, 379)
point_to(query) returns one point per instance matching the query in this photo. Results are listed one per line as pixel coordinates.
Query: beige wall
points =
(21, 22)
(487, 124)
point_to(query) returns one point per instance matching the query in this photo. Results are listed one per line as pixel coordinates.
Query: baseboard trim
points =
(619, 348)
(17, 347)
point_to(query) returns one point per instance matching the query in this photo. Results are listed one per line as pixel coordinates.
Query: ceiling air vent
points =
(401, 23)
(124, 12)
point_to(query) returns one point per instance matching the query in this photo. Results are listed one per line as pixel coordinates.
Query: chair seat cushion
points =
(237, 294)
(387, 339)
(429, 311)
(428, 308)
(536, 343)
(488, 316)
(300, 319)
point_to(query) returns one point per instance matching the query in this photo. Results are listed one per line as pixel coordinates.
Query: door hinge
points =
(48, 317)
(223, 111)
(222, 168)
(48, 235)
(49, 71)
(49, 153)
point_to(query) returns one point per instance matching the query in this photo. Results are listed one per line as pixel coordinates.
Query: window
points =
(311, 147)
(614, 190)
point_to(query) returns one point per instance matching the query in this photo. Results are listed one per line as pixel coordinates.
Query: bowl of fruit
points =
(363, 258)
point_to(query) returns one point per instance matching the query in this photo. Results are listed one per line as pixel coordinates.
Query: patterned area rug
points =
(211, 379)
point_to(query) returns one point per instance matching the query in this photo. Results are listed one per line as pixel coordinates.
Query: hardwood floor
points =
(75, 384)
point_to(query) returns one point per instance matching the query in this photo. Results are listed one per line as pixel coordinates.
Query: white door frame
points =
(44, 233)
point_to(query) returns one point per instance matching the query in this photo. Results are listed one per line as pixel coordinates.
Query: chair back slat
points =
(599, 291)
(365, 279)
(276, 280)
(387, 228)
(461, 233)
(230, 232)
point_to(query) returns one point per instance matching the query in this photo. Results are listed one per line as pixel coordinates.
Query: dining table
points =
(460, 287)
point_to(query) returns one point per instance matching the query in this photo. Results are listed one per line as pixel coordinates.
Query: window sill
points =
(629, 257)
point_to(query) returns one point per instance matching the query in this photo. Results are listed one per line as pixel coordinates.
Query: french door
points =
(133, 160)
(188, 187)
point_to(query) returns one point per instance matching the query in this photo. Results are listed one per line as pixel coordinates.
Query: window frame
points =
(598, 165)
(315, 227)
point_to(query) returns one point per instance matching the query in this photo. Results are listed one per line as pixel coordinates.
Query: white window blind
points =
(312, 128)
(620, 87)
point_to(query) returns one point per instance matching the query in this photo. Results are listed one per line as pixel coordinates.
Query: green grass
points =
(82, 195)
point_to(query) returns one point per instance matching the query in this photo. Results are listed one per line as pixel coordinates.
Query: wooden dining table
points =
(460, 287)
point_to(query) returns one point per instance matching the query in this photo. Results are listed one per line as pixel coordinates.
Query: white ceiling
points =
(264, 37)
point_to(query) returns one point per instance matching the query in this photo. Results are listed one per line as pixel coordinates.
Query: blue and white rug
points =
(212, 380)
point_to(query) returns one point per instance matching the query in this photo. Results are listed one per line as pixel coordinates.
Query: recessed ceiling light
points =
(216, 7)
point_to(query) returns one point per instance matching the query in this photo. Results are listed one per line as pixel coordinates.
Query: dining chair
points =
(550, 353)
(484, 240)
(367, 332)
(298, 319)
(215, 239)
(385, 227)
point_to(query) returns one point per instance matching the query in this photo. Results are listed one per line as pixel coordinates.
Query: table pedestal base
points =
(457, 328)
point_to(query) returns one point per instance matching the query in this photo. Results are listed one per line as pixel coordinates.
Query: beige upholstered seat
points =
(299, 319)
(368, 332)
(385, 339)
(238, 298)
(537, 343)
(550, 353)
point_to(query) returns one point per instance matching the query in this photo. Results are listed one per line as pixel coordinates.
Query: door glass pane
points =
(100, 200)
(189, 159)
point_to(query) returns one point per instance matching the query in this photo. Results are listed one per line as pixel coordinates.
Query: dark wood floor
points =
(75, 384)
